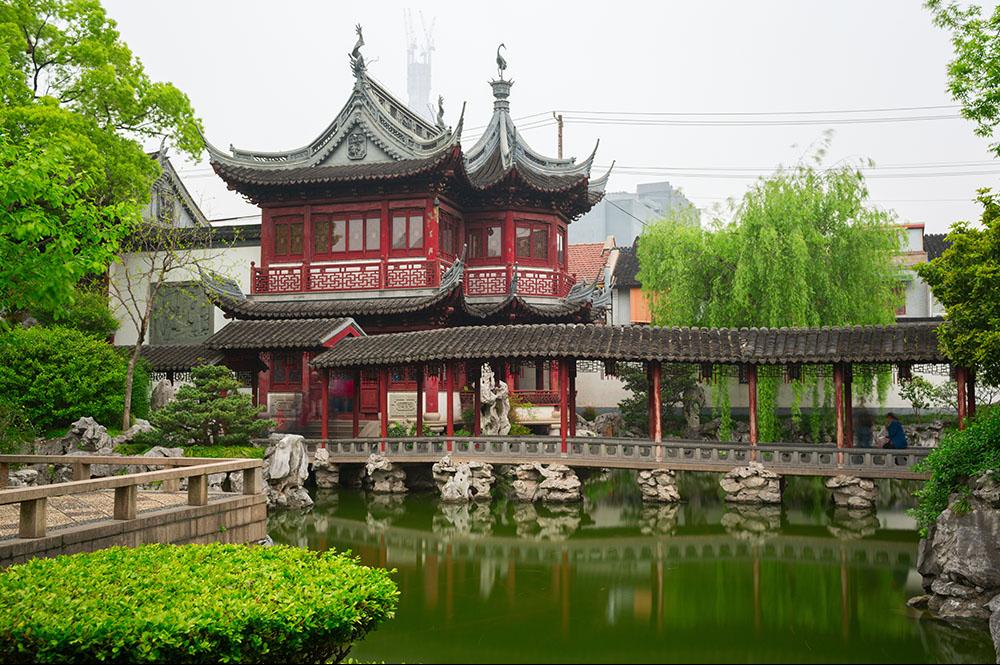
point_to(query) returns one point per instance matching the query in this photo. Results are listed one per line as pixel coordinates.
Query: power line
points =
(654, 122)
(744, 176)
(749, 113)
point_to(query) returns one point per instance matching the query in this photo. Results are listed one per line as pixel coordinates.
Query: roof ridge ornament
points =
(358, 60)
(501, 62)
(439, 121)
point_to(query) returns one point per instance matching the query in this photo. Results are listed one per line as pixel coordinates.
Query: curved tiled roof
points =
(935, 244)
(276, 334)
(627, 267)
(178, 357)
(859, 344)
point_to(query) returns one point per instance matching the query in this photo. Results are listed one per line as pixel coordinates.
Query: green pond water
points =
(611, 580)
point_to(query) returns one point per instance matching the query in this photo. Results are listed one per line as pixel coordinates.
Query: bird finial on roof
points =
(358, 60)
(501, 63)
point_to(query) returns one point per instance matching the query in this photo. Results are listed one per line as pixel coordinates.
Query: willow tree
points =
(803, 248)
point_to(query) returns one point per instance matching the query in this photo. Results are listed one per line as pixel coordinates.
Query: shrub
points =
(15, 429)
(89, 313)
(589, 414)
(191, 604)
(961, 456)
(207, 412)
(58, 375)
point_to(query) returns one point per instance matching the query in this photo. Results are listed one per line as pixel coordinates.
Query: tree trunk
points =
(129, 377)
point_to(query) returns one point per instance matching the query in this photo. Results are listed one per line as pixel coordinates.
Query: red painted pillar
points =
(476, 377)
(304, 411)
(961, 376)
(356, 406)
(420, 400)
(655, 408)
(450, 406)
(563, 405)
(849, 406)
(970, 391)
(383, 404)
(254, 385)
(510, 378)
(571, 387)
(838, 401)
(752, 407)
(324, 407)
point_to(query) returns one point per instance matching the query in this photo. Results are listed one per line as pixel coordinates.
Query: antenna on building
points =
(418, 65)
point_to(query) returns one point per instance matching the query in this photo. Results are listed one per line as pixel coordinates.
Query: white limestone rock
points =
(383, 477)
(327, 474)
(752, 484)
(286, 468)
(658, 486)
(467, 481)
(853, 492)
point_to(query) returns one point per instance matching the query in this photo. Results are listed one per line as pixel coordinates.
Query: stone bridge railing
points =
(784, 458)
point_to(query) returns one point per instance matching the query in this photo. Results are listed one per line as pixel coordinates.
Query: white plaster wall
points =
(595, 389)
(233, 262)
(621, 307)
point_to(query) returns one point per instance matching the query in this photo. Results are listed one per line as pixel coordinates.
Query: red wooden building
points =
(387, 221)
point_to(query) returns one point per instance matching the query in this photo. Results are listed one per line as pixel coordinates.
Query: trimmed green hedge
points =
(224, 452)
(58, 375)
(191, 604)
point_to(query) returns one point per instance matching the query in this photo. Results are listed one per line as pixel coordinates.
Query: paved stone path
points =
(77, 509)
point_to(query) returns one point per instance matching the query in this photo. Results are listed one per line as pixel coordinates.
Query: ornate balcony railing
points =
(530, 282)
(346, 276)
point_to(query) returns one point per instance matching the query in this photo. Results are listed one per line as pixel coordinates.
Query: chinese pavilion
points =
(384, 223)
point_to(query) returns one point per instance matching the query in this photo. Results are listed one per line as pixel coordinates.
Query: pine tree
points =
(209, 412)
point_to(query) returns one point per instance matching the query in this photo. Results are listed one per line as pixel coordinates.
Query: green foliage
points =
(588, 413)
(919, 392)
(58, 375)
(398, 430)
(141, 390)
(191, 604)
(16, 431)
(88, 312)
(222, 452)
(804, 248)
(73, 179)
(674, 379)
(966, 280)
(974, 74)
(961, 456)
(208, 412)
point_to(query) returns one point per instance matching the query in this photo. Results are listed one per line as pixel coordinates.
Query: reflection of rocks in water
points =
(291, 526)
(552, 522)
(956, 641)
(463, 519)
(659, 520)
(326, 499)
(850, 524)
(752, 523)
(383, 510)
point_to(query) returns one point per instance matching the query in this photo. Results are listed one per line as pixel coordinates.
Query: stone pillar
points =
(752, 484)
(384, 477)
(466, 481)
(852, 492)
(556, 483)
(327, 474)
(658, 486)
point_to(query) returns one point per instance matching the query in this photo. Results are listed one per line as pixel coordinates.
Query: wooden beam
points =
(383, 405)
(356, 406)
(571, 387)
(476, 377)
(961, 377)
(419, 371)
(32, 519)
(849, 405)
(752, 407)
(450, 406)
(838, 401)
(198, 490)
(563, 405)
(125, 502)
(324, 406)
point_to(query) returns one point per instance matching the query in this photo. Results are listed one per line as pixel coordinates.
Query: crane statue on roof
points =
(358, 60)
(501, 63)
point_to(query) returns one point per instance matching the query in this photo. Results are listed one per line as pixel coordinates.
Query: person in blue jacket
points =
(894, 428)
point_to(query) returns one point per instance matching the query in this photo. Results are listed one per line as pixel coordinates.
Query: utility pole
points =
(559, 126)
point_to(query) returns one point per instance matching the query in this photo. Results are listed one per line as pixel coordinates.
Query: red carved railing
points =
(530, 282)
(415, 274)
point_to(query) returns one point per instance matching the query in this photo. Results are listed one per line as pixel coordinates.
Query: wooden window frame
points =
(349, 252)
(286, 370)
(534, 225)
(279, 224)
(479, 231)
(412, 215)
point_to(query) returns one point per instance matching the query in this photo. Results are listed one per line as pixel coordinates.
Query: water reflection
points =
(612, 580)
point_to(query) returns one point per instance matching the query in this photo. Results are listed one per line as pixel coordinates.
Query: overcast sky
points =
(269, 75)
